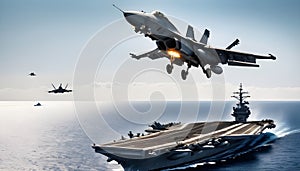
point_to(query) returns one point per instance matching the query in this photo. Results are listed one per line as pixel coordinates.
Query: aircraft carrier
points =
(176, 144)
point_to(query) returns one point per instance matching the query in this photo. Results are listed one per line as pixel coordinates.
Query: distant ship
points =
(38, 104)
(176, 144)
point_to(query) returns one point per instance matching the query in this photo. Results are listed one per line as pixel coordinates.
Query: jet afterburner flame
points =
(174, 53)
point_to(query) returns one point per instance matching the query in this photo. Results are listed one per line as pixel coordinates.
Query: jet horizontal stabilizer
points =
(236, 42)
(240, 63)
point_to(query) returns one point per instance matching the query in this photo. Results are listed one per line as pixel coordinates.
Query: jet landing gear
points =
(184, 73)
(207, 72)
(169, 68)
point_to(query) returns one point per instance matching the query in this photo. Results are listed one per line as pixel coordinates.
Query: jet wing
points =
(154, 54)
(240, 58)
(52, 91)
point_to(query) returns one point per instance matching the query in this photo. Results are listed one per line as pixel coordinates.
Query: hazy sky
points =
(47, 37)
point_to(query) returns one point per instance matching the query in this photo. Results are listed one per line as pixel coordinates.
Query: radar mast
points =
(241, 112)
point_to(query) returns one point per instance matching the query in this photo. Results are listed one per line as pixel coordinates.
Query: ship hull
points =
(202, 142)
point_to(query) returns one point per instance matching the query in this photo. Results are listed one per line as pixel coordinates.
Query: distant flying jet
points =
(32, 74)
(59, 89)
(180, 49)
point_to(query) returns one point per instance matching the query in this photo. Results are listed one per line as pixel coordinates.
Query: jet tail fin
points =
(190, 32)
(205, 37)
(53, 86)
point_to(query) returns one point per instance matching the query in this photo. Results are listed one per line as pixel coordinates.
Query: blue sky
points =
(48, 36)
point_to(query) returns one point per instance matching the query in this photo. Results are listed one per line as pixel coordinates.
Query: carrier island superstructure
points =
(177, 144)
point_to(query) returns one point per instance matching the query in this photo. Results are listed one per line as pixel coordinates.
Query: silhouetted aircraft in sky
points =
(60, 89)
(32, 74)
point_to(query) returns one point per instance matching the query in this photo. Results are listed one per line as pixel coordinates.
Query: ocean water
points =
(58, 135)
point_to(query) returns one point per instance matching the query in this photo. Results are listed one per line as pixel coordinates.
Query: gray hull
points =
(187, 143)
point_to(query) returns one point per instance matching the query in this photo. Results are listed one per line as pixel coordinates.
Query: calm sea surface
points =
(58, 135)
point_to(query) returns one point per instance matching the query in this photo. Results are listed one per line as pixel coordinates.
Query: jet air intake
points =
(168, 44)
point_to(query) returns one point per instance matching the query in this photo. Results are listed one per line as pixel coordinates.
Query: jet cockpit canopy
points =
(158, 14)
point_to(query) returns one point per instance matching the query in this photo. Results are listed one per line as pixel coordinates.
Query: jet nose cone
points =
(127, 14)
(132, 17)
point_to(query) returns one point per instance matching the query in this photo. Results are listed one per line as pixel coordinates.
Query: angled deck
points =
(163, 141)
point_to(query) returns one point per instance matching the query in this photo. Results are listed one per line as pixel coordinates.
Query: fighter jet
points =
(181, 49)
(59, 89)
(32, 74)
